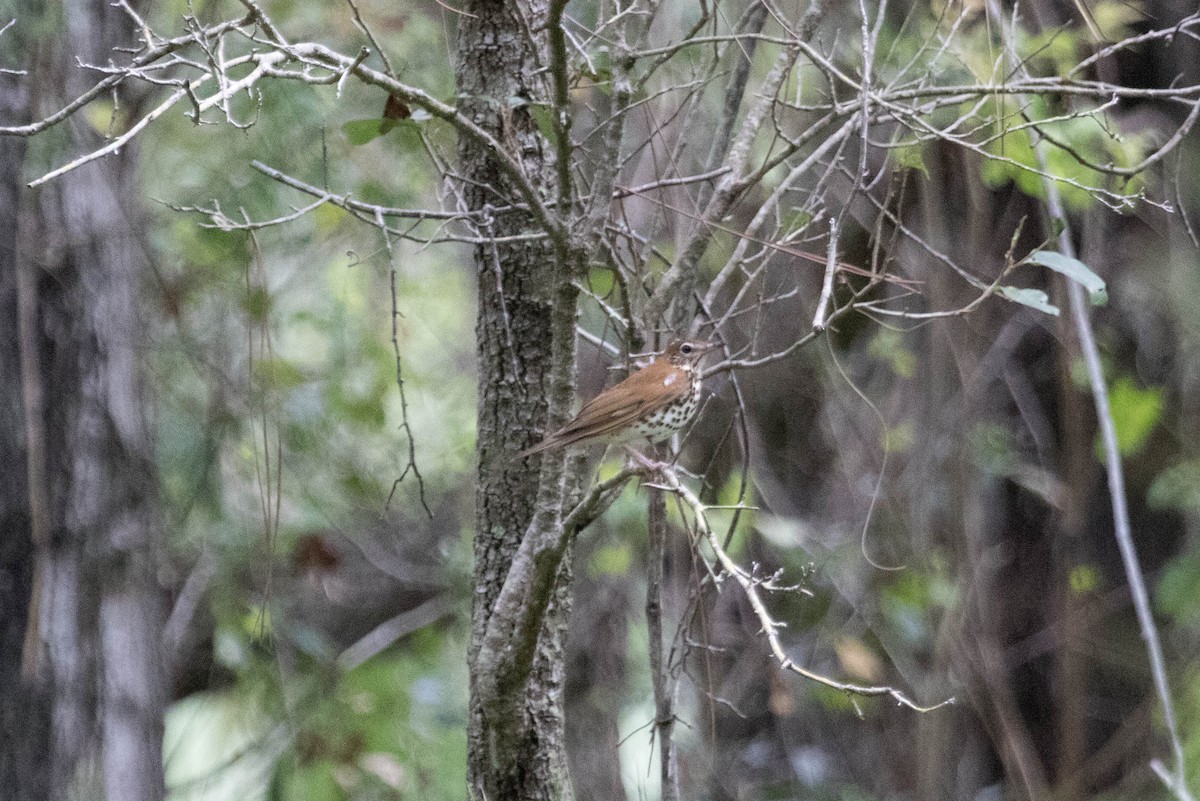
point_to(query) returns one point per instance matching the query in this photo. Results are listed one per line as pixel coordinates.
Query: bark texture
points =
(525, 333)
(100, 658)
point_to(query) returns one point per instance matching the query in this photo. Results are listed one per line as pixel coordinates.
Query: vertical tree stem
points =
(1122, 530)
(660, 674)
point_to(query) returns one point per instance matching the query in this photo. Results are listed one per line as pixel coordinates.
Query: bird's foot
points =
(681, 469)
(660, 468)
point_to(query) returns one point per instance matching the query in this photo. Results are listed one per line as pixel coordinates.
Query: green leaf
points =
(99, 114)
(612, 560)
(1075, 270)
(900, 437)
(279, 373)
(889, 346)
(1135, 412)
(601, 66)
(359, 132)
(905, 604)
(834, 700)
(1178, 591)
(1033, 298)
(911, 157)
(1015, 159)
(257, 302)
(795, 221)
(991, 449)
(1116, 18)
(367, 411)
(1177, 487)
(600, 281)
(544, 117)
(1084, 579)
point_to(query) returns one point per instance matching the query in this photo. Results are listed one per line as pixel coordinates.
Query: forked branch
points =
(751, 583)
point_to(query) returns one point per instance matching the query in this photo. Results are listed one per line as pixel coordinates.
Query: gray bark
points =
(101, 622)
(525, 333)
(24, 713)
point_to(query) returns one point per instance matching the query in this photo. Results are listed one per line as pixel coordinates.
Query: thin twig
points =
(366, 29)
(660, 674)
(405, 426)
(750, 582)
(831, 262)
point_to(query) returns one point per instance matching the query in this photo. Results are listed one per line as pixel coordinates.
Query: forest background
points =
(269, 360)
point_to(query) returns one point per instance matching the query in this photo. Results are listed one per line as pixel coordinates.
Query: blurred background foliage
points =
(281, 435)
(280, 438)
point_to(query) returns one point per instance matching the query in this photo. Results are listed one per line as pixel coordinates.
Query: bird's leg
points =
(660, 467)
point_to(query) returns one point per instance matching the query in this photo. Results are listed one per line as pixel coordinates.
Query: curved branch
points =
(770, 627)
(508, 646)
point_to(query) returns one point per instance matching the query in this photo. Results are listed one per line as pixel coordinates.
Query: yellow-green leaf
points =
(1135, 412)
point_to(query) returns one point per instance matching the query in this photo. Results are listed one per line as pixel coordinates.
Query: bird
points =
(651, 404)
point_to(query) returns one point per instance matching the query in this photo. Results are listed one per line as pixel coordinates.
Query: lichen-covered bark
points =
(525, 339)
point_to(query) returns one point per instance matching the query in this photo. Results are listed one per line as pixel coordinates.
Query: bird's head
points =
(686, 352)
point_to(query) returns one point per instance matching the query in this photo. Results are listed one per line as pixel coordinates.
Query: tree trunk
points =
(24, 713)
(525, 333)
(101, 621)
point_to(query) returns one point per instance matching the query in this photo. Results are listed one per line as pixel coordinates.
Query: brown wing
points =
(618, 407)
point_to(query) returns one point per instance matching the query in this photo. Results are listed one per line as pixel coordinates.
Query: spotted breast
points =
(652, 404)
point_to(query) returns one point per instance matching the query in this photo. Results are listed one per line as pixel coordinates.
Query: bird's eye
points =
(685, 348)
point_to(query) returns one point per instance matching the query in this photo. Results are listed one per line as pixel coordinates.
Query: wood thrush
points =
(652, 404)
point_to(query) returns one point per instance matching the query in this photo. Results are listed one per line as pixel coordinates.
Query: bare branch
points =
(405, 426)
(511, 637)
(262, 65)
(147, 57)
(827, 284)
(750, 583)
(367, 32)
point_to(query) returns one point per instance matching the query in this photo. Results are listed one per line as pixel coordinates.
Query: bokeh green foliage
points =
(1080, 138)
(272, 351)
(389, 729)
